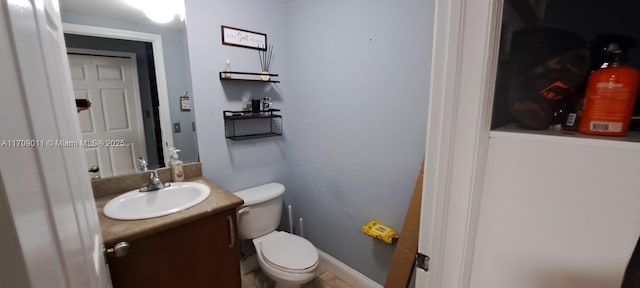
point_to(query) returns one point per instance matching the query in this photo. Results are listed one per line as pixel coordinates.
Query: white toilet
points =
(288, 259)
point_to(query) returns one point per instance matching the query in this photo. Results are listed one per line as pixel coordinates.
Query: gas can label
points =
(606, 126)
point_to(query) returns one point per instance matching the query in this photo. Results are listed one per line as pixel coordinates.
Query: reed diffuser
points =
(265, 62)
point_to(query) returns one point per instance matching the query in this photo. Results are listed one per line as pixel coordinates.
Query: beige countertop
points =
(114, 231)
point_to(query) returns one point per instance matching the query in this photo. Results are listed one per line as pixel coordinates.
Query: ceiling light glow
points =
(160, 11)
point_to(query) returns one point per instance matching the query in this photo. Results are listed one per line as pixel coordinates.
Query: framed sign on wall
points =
(243, 38)
(185, 103)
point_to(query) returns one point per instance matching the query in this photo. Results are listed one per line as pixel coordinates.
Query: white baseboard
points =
(344, 272)
(327, 264)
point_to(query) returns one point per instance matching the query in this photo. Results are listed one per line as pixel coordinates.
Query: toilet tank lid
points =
(259, 194)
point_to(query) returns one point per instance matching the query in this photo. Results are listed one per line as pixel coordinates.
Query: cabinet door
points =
(203, 253)
(556, 215)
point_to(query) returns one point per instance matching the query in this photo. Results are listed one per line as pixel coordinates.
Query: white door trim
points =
(158, 58)
(466, 37)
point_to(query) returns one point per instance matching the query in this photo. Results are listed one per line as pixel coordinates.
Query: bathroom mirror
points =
(135, 72)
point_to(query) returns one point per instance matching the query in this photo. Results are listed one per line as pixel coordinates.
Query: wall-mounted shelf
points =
(513, 131)
(247, 77)
(245, 125)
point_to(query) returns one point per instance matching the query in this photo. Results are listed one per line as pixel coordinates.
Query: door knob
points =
(94, 169)
(119, 250)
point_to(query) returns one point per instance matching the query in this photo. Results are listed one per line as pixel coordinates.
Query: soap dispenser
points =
(177, 171)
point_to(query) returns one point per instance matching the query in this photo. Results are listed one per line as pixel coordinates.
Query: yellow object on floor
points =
(380, 231)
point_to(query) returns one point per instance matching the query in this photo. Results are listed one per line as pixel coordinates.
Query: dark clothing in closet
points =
(632, 274)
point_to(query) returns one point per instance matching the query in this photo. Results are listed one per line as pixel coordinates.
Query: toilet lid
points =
(290, 252)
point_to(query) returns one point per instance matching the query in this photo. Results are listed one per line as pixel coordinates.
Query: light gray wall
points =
(177, 72)
(236, 165)
(354, 95)
(360, 73)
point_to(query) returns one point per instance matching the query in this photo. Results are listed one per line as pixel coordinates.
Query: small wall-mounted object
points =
(245, 125)
(185, 103)
(248, 76)
(243, 38)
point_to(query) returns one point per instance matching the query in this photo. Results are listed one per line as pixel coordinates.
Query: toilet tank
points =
(261, 211)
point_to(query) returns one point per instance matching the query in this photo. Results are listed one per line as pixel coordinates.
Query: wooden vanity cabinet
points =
(203, 253)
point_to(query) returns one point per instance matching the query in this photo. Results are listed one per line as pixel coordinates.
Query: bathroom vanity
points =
(197, 247)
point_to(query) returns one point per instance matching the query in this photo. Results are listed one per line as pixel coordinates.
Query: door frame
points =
(158, 58)
(136, 87)
(464, 68)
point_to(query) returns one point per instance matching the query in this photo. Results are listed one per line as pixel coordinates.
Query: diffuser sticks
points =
(265, 58)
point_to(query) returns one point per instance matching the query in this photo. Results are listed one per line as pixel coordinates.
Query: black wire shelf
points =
(238, 124)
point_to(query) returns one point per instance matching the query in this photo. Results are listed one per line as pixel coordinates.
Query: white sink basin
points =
(135, 205)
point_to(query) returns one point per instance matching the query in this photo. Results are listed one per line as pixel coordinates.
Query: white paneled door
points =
(113, 127)
(50, 229)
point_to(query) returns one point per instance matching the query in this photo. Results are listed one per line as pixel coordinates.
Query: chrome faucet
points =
(142, 165)
(154, 183)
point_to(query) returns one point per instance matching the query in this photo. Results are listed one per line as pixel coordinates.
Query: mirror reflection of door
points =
(114, 121)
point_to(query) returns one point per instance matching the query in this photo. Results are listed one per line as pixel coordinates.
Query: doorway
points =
(147, 89)
(156, 71)
(110, 82)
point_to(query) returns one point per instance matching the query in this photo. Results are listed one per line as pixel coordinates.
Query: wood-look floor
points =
(323, 280)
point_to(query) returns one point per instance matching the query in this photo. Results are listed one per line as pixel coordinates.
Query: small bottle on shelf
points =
(227, 69)
(266, 103)
(610, 98)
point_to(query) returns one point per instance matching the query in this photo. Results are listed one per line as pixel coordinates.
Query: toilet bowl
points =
(289, 260)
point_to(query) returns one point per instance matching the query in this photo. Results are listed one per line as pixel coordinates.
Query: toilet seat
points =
(289, 253)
